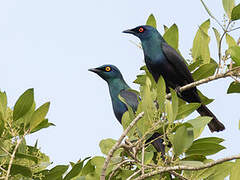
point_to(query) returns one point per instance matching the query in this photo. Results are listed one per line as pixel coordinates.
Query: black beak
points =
(95, 70)
(129, 31)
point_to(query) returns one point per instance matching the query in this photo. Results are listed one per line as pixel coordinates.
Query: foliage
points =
(169, 117)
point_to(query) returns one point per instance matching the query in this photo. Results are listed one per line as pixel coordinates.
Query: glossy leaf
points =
(23, 104)
(174, 104)
(55, 173)
(215, 140)
(199, 124)
(234, 88)
(171, 36)
(151, 21)
(88, 168)
(230, 41)
(42, 125)
(76, 169)
(106, 145)
(204, 147)
(39, 115)
(228, 6)
(204, 71)
(161, 91)
(186, 110)
(200, 49)
(205, 100)
(235, 54)
(217, 35)
(194, 65)
(19, 169)
(235, 13)
(182, 139)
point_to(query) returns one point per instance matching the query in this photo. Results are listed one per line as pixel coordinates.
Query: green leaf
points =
(199, 124)
(194, 65)
(106, 145)
(187, 109)
(204, 71)
(76, 169)
(98, 162)
(234, 88)
(204, 147)
(141, 79)
(151, 21)
(165, 28)
(27, 156)
(205, 100)
(230, 41)
(148, 157)
(174, 104)
(235, 13)
(42, 125)
(171, 36)
(235, 170)
(235, 54)
(215, 140)
(3, 104)
(55, 173)
(217, 35)
(182, 139)
(161, 91)
(39, 115)
(200, 49)
(228, 7)
(19, 169)
(88, 168)
(169, 111)
(2, 127)
(23, 104)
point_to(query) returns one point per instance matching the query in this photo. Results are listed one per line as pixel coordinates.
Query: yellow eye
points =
(107, 69)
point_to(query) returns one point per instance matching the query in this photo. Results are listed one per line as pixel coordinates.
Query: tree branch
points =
(13, 154)
(175, 168)
(116, 146)
(206, 80)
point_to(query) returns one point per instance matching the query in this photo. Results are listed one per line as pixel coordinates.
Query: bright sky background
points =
(49, 45)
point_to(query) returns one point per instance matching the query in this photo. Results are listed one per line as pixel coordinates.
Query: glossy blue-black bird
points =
(163, 60)
(118, 86)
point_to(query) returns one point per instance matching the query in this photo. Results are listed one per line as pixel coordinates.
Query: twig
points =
(206, 80)
(220, 46)
(13, 154)
(118, 166)
(178, 175)
(134, 174)
(233, 29)
(175, 168)
(143, 151)
(116, 146)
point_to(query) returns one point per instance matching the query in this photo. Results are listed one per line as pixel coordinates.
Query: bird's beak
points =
(129, 31)
(95, 70)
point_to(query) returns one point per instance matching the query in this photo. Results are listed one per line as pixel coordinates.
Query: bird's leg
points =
(177, 89)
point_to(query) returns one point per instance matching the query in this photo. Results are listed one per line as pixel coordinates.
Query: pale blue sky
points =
(49, 45)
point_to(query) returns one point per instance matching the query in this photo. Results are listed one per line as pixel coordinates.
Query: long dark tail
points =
(214, 125)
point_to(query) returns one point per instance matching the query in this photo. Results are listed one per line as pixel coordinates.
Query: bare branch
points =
(134, 174)
(175, 168)
(116, 146)
(206, 80)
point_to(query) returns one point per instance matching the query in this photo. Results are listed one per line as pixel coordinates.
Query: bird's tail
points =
(214, 124)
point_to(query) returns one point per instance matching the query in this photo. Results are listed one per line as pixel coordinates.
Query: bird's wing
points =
(130, 98)
(177, 62)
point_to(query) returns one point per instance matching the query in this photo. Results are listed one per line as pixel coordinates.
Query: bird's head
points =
(107, 72)
(143, 32)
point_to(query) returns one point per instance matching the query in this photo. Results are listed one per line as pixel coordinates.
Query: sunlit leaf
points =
(182, 139)
(217, 35)
(234, 88)
(171, 36)
(161, 91)
(228, 6)
(23, 104)
(151, 21)
(235, 13)
(230, 41)
(106, 145)
(235, 54)
(204, 71)
(187, 109)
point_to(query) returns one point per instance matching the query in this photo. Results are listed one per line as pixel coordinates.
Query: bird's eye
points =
(140, 29)
(107, 69)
